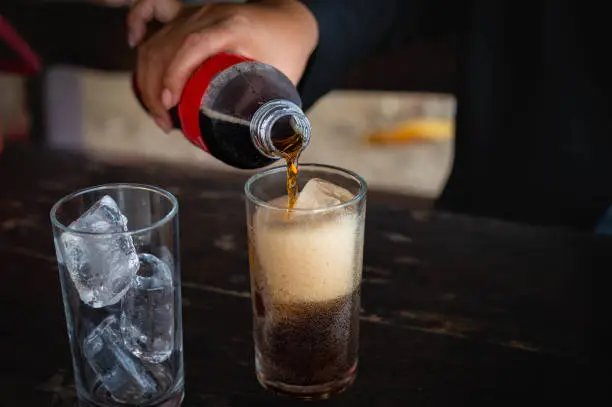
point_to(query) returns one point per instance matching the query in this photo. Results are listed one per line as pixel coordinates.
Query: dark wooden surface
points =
(456, 310)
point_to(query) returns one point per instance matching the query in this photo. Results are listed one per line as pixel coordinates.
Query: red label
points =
(195, 88)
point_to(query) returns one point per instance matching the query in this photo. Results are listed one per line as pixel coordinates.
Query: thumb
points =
(196, 48)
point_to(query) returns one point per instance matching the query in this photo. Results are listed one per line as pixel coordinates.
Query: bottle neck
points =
(278, 118)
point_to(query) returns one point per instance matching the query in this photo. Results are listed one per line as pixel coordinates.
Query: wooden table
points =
(456, 310)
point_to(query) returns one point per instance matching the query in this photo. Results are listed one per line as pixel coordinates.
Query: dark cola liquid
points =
(229, 103)
(307, 344)
(228, 141)
(231, 143)
(224, 122)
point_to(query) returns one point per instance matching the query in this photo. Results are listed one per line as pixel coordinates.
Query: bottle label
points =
(193, 93)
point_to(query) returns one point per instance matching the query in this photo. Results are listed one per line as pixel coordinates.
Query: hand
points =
(281, 33)
(144, 11)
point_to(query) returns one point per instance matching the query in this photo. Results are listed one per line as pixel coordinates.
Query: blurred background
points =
(395, 130)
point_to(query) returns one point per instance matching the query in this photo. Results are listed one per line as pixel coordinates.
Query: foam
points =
(305, 259)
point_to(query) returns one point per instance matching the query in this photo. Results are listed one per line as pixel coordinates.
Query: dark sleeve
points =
(349, 31)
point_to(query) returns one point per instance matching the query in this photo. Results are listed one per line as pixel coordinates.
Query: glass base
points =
(173, 401)
(315, 392)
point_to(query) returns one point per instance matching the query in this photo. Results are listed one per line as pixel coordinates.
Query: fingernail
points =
(131, 40)
(167, 99)
(161, 123)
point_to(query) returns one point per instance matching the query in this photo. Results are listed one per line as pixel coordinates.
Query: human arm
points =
(282, 33)
(349, 31)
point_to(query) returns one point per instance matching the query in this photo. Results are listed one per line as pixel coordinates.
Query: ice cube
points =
(122, 375)
(318, 193)
(167, 256)
(147, 319)
(102, 217)
(101, 266)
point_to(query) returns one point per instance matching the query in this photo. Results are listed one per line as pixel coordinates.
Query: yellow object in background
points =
(416, 130)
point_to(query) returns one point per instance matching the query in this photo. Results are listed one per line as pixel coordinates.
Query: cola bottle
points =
(241, 111)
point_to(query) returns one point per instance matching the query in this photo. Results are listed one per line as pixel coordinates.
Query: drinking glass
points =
(117, 247)
(306, 267)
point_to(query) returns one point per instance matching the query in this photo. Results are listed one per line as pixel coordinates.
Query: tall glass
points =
(117, 248)
(306, 267)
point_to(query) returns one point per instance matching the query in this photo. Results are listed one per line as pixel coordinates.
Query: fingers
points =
(196, 48)
(137, 21)
(148, 77)
(166, 60)
(145, 11)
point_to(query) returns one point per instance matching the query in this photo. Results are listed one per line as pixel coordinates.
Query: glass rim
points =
(359, 196)
(114, 186)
